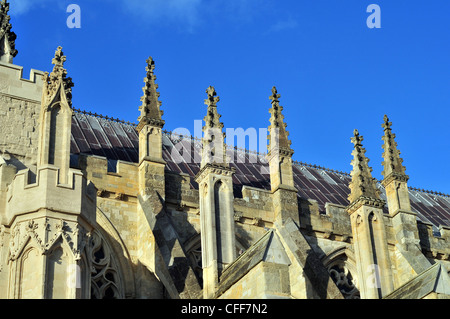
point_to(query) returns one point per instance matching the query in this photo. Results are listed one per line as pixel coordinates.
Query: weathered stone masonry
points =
(93, 207)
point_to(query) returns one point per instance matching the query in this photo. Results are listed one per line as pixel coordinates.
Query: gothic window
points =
(343, 275)
(195, 257)
(105, 279)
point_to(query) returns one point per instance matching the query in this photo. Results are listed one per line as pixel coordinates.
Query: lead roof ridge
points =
(299, 163)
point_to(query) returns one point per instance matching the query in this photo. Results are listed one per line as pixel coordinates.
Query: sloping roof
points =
(117, 140)
(434, 279)
(268, 248)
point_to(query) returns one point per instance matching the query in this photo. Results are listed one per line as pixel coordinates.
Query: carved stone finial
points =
(57, 77)
(212, 99)
(150, 65)
(275, 96)
(392, 162)
(214, 149)
(150, 108)
(357, 139)
(212, 118)
(278, 135)
(59, 59)
(7, 37)
(362, 183)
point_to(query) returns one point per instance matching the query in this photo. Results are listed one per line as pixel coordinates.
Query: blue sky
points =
(334, 74)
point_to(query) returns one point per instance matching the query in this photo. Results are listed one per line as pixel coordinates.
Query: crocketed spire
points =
(212, 118)
(213, 136)
(392, 162)
(362, 184)
(58, 77)
(7, 37)
(150, 108)
(278, 135)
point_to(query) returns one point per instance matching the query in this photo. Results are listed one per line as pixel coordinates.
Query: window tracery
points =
(105, 279)
(343, 275)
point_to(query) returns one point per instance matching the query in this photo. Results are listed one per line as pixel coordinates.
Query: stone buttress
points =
(93, 207)
(404, 220)
(159, 248)
(368, 227)
(216, 200)
(50, 210)
(280, 163)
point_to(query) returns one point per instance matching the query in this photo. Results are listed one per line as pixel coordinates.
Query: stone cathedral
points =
(95, 207)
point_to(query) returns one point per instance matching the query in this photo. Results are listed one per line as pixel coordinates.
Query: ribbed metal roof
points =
(117, 140)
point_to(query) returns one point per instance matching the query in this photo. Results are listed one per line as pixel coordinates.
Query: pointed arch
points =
(29, 269)
(58, 263)
(106, 276)
(121, 257)
(341, 266)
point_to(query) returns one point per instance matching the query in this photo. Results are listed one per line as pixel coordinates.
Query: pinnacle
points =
(392, 161)
(212, 99)
(59, 59)
(214, 149)
(150, 108)
(362, 184)
(275, 96)
(5, 29)
(278, 135)
(357, 139)
(212, 118)
(59, 75)
(4, 8)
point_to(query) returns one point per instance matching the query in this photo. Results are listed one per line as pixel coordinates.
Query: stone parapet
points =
(13, 83)
(48, 193)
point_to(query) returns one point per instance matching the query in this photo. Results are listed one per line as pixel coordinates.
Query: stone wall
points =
(116, 195)
(265, 281)
(20, 101)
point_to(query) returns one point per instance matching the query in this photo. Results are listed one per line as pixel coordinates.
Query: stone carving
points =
(393, 168)
(119, 196)
(213, 143)
(101, 192)
(343, 279)
(44, 233)
(214, 169)
(5, 30)
(392, 161)
(56, 79)
(238, 216)
(212, 99)
(256, 221)
(119, 242)
(362, 184)
(279, 136)
(105, 278)
(212, 118)
(151, 113)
